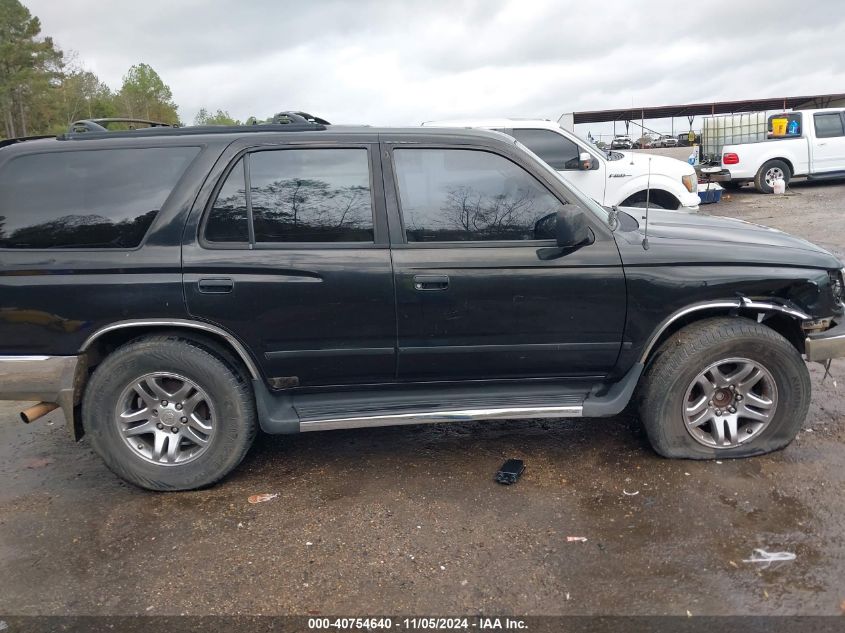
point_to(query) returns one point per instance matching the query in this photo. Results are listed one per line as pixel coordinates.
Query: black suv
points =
(173, 290)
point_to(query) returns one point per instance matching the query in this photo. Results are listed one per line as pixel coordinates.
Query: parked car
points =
(665, 141)
(644, 142)
(816, 150)
(609, 178)
(621, 142)
(684, 139)
(173, 290)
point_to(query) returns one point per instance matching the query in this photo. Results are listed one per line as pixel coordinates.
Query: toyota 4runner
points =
(174, 290)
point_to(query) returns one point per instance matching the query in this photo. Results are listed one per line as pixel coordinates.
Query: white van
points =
(610, 178)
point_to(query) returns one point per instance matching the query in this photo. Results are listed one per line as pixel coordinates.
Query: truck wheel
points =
(724, 388)
(165, 413)
(764, 181)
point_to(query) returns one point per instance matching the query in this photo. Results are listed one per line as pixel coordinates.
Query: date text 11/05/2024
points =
(419, 623)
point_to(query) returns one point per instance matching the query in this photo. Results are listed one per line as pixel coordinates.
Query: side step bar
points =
(284, 412)
(449, 415)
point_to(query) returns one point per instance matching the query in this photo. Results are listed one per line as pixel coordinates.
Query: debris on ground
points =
(37, 462)
(630, 494)
(767, 558)
(262, 498)
(510, 471)
(574, 539)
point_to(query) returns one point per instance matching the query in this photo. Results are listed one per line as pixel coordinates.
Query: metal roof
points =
(708, 109)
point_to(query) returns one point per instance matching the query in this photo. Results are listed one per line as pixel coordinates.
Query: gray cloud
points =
(404, 62)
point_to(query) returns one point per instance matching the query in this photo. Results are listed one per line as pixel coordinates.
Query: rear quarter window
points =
(87, 199)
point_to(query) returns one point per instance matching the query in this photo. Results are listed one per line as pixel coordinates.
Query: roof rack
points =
(290, 116)
(20, 139)
(101, 125)
(282, 122)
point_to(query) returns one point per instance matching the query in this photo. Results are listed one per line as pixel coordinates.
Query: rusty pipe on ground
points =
(37, 411)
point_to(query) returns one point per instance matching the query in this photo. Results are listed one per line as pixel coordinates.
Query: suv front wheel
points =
(166, 413)
(724, 388)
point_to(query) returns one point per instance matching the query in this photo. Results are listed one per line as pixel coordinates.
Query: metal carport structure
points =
(705, 109)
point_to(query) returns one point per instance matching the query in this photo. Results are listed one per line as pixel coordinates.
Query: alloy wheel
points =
(165, 418)
(730, 402)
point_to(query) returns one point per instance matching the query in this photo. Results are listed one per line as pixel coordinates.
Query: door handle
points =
(431, 282)
(216, 285)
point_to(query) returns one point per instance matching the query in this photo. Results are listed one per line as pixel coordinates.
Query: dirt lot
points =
(408, 520)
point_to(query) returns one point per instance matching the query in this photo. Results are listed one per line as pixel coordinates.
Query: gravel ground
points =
(407, 520)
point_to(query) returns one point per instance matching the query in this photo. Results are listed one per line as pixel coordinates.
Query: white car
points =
(815, 149)
(665, 141)
(610, 178)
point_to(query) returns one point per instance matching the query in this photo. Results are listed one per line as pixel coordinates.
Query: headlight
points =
(690, 182)
(837, 284)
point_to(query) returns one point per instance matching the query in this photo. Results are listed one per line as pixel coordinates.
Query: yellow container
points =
(779, 127)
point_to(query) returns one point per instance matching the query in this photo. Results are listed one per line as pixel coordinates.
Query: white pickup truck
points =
(609, 178)
(814, 148)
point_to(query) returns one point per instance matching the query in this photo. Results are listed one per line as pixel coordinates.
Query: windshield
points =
(592, 144)
(581, 198)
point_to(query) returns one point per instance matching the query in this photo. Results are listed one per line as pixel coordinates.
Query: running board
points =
(291, 412)
(448, 415)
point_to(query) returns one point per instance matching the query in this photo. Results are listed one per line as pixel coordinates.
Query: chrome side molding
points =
(742, 303)
(452, 415)
(239, 349)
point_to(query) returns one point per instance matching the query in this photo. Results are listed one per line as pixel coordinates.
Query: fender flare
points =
(234, 343)
(740, 303)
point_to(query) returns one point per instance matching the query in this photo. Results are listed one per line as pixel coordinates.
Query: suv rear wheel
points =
(166, 413)
(724, 388)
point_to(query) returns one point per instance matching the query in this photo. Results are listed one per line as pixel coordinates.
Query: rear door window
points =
(311, 195)
(228, 220)
(319, 195)
(829, 125)
(558, 151)
(87, 199)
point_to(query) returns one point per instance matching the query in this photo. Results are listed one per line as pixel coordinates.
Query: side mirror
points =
(585, 161)
(572, 229)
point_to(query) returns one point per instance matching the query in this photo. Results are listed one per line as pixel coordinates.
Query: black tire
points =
(692, 349)
(227, 388)
(776, 164)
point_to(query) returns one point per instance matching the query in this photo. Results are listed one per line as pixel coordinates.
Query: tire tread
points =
(687, 346)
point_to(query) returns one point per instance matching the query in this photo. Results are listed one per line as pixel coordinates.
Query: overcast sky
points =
(393, 62)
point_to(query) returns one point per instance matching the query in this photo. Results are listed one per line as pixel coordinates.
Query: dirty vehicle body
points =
(173, 290)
